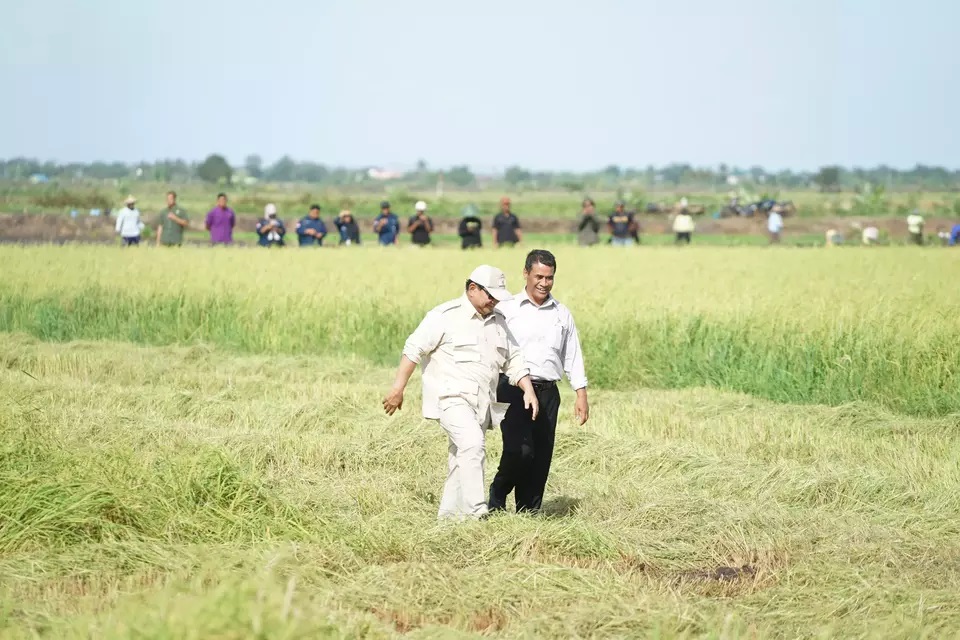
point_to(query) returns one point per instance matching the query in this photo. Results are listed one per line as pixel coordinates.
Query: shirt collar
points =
(468, 310)
(524, 297)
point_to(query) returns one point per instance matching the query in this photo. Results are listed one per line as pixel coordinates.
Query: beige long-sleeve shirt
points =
(461, 355)
(548, 337)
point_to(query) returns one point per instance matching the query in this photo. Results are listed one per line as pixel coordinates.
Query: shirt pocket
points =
(553, 336)
(501, 350)
(466, 348)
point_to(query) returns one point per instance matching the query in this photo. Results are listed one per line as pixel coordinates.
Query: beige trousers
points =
(464, 493)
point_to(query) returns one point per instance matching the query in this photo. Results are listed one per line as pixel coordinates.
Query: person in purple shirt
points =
(220, 221)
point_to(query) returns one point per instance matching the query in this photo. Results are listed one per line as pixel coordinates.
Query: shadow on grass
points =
(560, 507)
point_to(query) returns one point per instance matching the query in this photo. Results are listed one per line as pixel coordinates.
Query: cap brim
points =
(501, 295)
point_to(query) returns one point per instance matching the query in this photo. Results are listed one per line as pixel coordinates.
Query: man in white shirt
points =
(683, 226)
(774, 224)
(129, 225)
(463, 345)
(546, 332)
(915, 227)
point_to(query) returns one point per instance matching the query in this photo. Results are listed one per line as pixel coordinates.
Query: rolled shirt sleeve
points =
(573, 358)
(425, 338)
(515, 365)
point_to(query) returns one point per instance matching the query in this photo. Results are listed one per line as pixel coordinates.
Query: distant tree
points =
(214, 169)
(460, 176)
(254, 165)
(612, 171)
(828, 178)
(515, 175)
(283, 170)
(421, 166)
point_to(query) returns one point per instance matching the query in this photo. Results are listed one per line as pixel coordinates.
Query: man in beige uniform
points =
(463, 346)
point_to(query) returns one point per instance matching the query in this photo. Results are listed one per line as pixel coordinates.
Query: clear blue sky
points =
(547, 84)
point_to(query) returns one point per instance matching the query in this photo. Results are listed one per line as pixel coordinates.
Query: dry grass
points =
(194, 492)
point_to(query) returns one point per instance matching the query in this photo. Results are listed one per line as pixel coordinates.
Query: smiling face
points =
(539, 282)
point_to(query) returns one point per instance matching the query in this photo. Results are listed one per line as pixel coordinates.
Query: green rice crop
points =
(791, 325)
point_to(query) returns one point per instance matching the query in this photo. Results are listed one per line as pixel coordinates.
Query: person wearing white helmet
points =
(420, 226)
(270, 229)
(462, 346)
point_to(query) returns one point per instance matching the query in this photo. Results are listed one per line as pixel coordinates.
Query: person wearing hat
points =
(171, 223)
(547, 335)
(129, 225)
(506, 226)
(387, 226)
(463, 345)
(347, 227)
(420, 225)
(621, 226)
(310, 229)
(270, 229)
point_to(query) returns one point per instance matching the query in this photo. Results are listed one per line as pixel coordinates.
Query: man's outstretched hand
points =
(393, 401)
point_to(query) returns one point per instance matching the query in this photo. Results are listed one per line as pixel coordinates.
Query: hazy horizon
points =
(549, 86)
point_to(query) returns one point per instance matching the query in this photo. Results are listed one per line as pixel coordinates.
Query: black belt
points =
(537, 384)
(543, 384)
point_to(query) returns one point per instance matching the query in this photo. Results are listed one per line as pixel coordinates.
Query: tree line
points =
(215, 168)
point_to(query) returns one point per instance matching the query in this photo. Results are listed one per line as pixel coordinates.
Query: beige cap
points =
(130, 200)
(270, 209)
(493, 280)
(421, 206)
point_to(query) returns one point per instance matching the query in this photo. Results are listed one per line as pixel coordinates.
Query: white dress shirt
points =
(548, 337)
(461, 355)
(128, 223)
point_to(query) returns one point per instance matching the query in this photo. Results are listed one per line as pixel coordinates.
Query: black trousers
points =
(527, 447)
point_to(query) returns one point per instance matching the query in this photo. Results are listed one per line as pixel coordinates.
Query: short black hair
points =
(221, 195)
(587, 201)
(541, 256)
(314, 206)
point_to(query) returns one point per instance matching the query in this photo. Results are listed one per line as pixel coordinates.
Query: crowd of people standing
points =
(311, 230)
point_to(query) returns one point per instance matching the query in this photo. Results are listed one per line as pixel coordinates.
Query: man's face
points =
(171, 200)
(222, 201)
(385, 211)
(482, 301)
(619, 208)
(539, 282)
(314, 213)
(505, 206)
(588, 208)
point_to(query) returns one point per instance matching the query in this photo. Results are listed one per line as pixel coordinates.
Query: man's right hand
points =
(394, 400)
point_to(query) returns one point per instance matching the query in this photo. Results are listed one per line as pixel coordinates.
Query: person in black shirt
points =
(506, 226)
(420, 226)
(469, 229)
(621, 226)
(588, 231)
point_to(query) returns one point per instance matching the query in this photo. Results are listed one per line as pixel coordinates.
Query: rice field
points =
(193, 446)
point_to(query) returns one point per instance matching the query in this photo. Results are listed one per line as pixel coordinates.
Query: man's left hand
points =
(581, 409)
